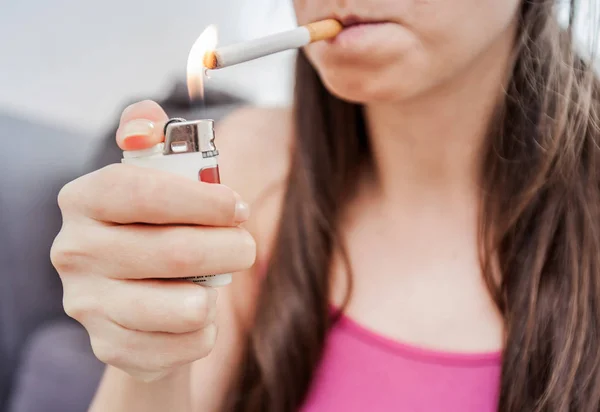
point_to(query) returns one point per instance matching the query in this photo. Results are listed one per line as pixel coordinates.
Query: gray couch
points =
(46, 363)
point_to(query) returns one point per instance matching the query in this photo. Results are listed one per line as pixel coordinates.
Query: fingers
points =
(159, 306)
(148, 353)
(128, 194)
(175, 252)
(153, 252)
(141, 126)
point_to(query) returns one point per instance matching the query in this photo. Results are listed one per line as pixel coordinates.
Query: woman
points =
(424, 230)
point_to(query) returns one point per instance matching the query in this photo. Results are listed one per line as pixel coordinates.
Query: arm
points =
(119, 391)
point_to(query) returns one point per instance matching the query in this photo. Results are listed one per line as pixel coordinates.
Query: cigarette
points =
(275, 43)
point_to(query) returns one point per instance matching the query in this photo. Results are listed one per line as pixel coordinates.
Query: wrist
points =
(121, 391)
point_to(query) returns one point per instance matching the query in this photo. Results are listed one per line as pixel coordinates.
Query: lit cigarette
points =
(275, 43)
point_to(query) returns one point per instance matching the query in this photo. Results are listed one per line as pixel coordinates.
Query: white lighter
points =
(189, 150)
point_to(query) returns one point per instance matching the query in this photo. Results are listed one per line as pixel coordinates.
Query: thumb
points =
(141, 126)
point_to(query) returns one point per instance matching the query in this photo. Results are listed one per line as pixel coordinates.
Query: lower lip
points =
(358, 32)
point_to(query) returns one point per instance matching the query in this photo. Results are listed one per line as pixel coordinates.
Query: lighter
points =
(189, 150)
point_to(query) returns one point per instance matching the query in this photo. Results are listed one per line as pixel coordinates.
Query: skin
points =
(429, 79)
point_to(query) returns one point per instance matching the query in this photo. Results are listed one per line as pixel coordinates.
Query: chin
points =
(363, 79)
(363, 85)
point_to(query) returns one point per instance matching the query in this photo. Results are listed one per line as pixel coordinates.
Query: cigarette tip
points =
(210, 60)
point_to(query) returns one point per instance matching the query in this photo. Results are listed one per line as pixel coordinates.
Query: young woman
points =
(425, 230)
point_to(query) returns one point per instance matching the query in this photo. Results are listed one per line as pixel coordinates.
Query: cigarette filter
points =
(275, 43)
(189, 151)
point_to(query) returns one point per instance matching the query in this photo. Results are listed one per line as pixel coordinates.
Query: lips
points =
(352, 20)
(365, 39)
(363, 35)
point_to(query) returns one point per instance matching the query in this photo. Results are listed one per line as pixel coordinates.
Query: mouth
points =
(352, 21)
(364, 40)
(356, 28)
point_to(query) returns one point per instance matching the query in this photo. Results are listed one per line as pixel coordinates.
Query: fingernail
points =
(242, 211)
(136, 130)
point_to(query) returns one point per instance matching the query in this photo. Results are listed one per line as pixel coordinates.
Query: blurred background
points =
(74, 63)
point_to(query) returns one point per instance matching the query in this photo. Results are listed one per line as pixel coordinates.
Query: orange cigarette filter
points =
(324, 30)
(275, 43)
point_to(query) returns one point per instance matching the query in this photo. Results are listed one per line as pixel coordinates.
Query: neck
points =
(432, 145)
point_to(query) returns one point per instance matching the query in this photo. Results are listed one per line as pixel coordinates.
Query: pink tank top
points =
(365, 372)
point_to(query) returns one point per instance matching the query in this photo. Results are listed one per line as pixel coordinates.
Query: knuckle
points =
(192, 321)
(199, 348)
(101, 184)
(135, 363)
(225, 202)
(181, 258)
(67, 195)
(195, 312)
(107, 353)
(209, 339)
(66, 254)
(211, 314)
(247, 252)
(72, 310)
(57, 257)
(79, 306)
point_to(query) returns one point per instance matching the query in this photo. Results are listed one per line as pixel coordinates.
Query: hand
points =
(128, 233)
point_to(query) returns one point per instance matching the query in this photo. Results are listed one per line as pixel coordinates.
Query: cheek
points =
(365, 81)
(446, 38)
(477, 35)
(304, 9)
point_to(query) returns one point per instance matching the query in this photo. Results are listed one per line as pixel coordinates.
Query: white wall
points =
(74, 62)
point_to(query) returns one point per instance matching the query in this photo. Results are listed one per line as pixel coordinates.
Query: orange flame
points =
(195, 67)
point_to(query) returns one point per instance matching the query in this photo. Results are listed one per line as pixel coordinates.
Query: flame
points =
(195, 66)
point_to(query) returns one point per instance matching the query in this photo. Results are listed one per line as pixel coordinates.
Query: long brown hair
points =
(540, 231)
